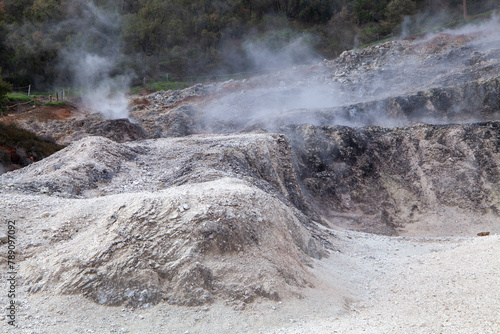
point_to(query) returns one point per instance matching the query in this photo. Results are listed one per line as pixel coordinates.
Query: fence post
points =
(29, 90)
(57, 96)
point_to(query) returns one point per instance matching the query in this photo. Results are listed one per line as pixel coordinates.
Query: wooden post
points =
(57, 96)
(465, 9)
(50, 98)
(29, 90)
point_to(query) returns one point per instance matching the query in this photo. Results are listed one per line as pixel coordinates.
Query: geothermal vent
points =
(245, 191)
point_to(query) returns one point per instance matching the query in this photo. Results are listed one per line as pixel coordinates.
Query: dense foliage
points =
(41, 39)
(5, 87)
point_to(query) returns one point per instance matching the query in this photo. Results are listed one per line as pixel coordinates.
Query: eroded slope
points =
(179, 220)
(436, 179)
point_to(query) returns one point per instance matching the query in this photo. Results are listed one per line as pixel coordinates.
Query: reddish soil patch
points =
(41, 114)
(55, 112)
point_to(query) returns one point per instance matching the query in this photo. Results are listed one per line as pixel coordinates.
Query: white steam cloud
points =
(387, 85)
(93, 57)
(101, 91)
(269, 54)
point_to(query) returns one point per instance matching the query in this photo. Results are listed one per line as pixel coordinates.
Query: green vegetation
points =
(5, 88)
(55, 103)
(193, 38)
(37, 93)
(18, 97)
(162, 85)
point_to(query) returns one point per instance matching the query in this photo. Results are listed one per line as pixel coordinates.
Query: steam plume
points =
(93, 60)
(359, 88)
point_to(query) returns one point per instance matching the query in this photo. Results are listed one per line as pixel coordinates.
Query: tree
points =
(156, 25)
(45, 10)
(368, 11)
(398, 9)
(4, 89)
(315, 11)
(16, 9)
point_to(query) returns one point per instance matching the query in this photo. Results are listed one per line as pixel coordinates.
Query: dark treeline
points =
(151, 38)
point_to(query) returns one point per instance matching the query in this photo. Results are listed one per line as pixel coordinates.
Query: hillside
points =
(50, 45)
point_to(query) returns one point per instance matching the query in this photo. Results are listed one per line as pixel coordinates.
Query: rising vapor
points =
(93, 58)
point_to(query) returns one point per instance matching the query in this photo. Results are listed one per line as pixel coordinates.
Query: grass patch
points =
(55, 103)
(474, 19)
(160, 85)
(35, 92)
(18, 98)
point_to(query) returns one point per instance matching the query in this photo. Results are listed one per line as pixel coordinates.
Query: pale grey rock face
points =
(179, 220)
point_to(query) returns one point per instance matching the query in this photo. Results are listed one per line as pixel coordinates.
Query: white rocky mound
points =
(162, 220)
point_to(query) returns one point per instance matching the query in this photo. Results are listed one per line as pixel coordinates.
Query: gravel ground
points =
(373, 284)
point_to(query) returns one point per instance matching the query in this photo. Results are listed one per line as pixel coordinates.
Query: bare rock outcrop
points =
(78, 127)
(186, 245)
(382, 180)
(184, 220)
(96, 166)
(82, 166)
